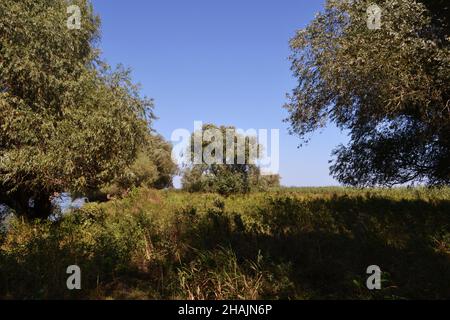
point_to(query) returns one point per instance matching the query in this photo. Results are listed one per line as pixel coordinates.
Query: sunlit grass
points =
(296, 243)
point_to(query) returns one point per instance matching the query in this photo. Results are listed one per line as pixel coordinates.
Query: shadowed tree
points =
(389, 88)
(67, 122)
(153, 168)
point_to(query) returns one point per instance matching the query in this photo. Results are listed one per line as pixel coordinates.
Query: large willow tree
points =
(67, 122)
(388, 87)
(222, 160)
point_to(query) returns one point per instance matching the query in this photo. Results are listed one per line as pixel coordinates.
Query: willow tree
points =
(222, 160)
(153, 168)
(388, 87)
(67, 121)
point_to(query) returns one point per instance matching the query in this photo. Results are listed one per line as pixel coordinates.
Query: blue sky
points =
(218, 61)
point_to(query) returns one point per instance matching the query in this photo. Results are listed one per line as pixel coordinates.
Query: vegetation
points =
(68, 123)
(388, 88)
(153, 168)
(225, 166)
(290, 243)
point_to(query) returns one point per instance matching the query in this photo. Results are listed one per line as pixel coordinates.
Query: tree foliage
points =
(389, 88)
(236, 170)
(67, 121)
(153, 168)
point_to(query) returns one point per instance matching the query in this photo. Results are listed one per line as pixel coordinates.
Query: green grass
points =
(292, 243)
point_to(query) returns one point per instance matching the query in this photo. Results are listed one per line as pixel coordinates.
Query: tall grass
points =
(308, 243)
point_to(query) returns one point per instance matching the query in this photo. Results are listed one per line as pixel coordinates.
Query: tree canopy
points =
(389, 88)
(68, 122)
(153, 168)
(224, 162)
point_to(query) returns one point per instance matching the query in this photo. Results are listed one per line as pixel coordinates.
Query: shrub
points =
(286, 244)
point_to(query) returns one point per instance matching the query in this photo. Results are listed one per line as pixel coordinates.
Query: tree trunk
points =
(42, 207)
(20, 202)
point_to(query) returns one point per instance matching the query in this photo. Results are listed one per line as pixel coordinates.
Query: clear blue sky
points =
(219, 61)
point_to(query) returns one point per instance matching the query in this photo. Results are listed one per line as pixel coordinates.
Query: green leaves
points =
(233, 169)
(388, 88)
(68, 121)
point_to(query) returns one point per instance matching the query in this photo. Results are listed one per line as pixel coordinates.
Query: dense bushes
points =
(34, 257)
(298, 244)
